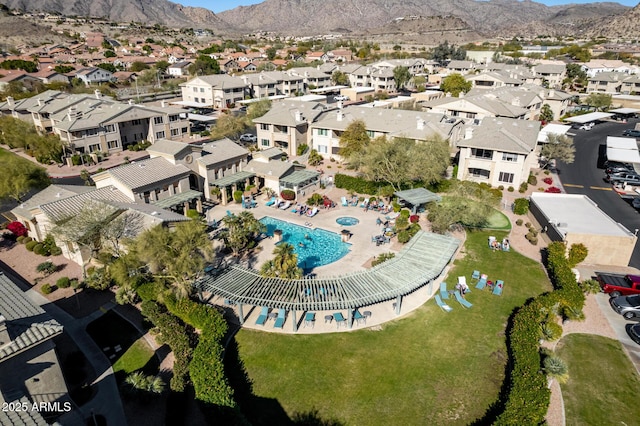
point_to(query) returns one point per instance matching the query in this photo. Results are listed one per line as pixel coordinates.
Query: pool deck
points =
(359, 258)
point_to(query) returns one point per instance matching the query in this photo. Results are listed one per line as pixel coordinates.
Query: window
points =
(185, 130)
(507, 156)
(202, 90)
(370, 134)
(471, 115)
(322, 149)
(264, 142)
(479, 172)
(135, 122)
(175, 132)
(91, 132)
(195, 90)
(173, 118)
(505, 177)
(158, 120)
(109, 128)
(481, 153)
(124, 139)
(159, 135)
(264, 126)
(94, 148)
(112, 144)
(203, 100)
(323, 132)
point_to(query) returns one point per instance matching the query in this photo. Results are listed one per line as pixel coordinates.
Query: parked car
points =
(631, 133)
(587, 126)
(636, 203)
(619, 285)
(630, 178)
(634, 332)
(627, 306)
(340, 98)
(615, 167)
(248, 137)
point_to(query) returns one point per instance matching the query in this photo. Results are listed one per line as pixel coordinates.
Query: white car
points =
(248, 137)
(341, 98)
(586, 126)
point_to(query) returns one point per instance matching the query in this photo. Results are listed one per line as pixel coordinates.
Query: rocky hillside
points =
(429, 30)
(312, 16)
(626, 25)
(146, 11)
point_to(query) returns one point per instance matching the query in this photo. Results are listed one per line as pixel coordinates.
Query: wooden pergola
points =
(420, 262)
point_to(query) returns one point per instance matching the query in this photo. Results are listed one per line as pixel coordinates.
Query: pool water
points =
(347, 221)
(314, 247)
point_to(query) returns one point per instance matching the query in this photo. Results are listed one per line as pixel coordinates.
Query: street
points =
(586, 176)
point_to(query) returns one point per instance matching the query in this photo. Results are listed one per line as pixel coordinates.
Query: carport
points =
(588, 118)
(623, 150)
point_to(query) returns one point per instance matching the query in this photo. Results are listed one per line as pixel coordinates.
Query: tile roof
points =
(147, 172)
(23, 417)
(504, 134)
(71, 206)
(166, 146)
(49, 194)
(221, 151)
(27, 323)
(275, 168)
(284, 113)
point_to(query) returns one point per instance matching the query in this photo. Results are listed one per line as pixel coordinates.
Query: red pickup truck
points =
(619, 285)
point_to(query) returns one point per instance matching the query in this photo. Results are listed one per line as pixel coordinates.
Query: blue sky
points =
(220, 6)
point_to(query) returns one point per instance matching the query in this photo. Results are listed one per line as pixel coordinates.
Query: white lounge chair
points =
(312, 212)
(286, 205)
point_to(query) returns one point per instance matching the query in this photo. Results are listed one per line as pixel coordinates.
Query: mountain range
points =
(312, 17)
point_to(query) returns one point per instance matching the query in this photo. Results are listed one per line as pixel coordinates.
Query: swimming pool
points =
(314, 247)
(347, 221)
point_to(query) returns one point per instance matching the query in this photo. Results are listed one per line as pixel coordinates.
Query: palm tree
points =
(155, 384)
(137, 382)
(284, 264)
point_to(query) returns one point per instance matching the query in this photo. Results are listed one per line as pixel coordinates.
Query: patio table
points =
(328, 319)
(273, 315)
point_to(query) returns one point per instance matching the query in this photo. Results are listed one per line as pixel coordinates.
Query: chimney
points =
(4, 334)
(516, 101)
(163, 104)
(298, 116)
(552, 93)
(340, 115)
(130, 101)
(339, 104)
(72, 113)
(420, 124)
(468, 133)
(10, 100)
(97, 93)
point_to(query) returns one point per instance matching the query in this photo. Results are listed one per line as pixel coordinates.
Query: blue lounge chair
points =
(443, 305)
(483, 282)
(345, 203)
(339, 319)
(280, 320)
(271, 202)
(444, 294)
(497, 288)
(475, 275)
(310, 319)
(262, 318)
(357, 317)
(462, 300)
(229, 213)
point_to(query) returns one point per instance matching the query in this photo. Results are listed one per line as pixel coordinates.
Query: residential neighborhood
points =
(199, 227)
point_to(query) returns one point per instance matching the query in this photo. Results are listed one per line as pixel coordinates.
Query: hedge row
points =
(207, 366)
(527, 395)
(356, 184)
(179, 336)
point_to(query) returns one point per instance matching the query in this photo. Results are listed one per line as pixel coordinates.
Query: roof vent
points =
(58, 195)
(154, 213)
(141, 166)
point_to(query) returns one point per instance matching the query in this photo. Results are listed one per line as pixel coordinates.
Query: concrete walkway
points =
(106, 401)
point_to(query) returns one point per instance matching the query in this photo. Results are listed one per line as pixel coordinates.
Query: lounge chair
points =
(344, 201)
(497, 288)
(443, 290)
(310, 319)
(364, 203)
(264, 314)
(286, 205)
(229, 213)
(475, 275)
(339, 319)
(462, 300)
(483, 282)
(312, 212)
(271, 202)
(280, 320)
(357, 317)
(443, 305)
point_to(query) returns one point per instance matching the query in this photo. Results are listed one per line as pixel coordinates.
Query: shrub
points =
(556, 368)
(193, 214)
(528, 224)
(577, 253)
(547, 172)
(414, 218)
(237, 196)
(523, 187)
(590, 286)
(521, 206)
(39, 249)
(315, 200)
(27, 240)
(302, 148)
(547, 180)
(382, 258)
(20, 239)
(18, 229)
(519, 222)
(47, 289)
(553, 190)
(63, 282)
(31, 245)
(288, 194)
(356, 184)
(551, 330)
(56, 251)
(510, 189)
(404, 236)
(533, 180)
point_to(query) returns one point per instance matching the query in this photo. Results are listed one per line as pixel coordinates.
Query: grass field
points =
(603, 386)
(135, 358)
(427, 368)
(497, 220)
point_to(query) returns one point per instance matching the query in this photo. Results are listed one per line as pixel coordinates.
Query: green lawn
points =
(603, 385)
(135, 358)
(428, 368)
(497, 220)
